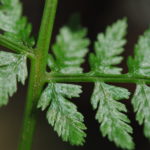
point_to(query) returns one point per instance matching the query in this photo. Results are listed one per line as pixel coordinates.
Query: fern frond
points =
(69, 50)
(141, 104)
(10, 13)
(62, 114)
(140, 65)
(108, 47)
(110, 113)
(114, 123)
(15, 27)
(12, 69)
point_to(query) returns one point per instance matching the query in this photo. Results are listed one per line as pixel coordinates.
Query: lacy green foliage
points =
(62, 114)
(69, 50)
(140, 65)
(141, 104)
(13, 66)
(107, 48)
(15, 27)
(114, 123)
(12, 69)
(68, 54)
(10, 13)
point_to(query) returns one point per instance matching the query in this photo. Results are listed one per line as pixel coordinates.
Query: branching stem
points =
(15, 47)
(87, 77)
(36, 80)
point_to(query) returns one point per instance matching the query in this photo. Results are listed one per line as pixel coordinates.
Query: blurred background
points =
(96, 15)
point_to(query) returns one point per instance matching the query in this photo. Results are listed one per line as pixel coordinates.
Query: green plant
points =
(64, 62)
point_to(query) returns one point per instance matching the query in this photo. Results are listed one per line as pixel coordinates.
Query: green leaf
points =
(108, 47)
(69, 50)
(140, 64)
(12, 69)
(51, 63)
(114, 123)
(15, 27)
(10, 13)
(111, 113)
(62, 114)
(141, 104)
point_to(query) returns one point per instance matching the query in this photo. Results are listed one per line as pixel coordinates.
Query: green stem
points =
(87, 77)
(47, 27)
(30, 115)
(5, 42)
(37, 74)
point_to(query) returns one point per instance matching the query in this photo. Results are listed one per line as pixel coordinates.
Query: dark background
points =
(96, 15)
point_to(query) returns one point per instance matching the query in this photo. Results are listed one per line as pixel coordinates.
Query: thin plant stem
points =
(11, 45)
(36, 80)
(87, 77)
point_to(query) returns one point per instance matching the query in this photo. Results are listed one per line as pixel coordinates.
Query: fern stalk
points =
(87, 77)
(36, 82)
(15, 46)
